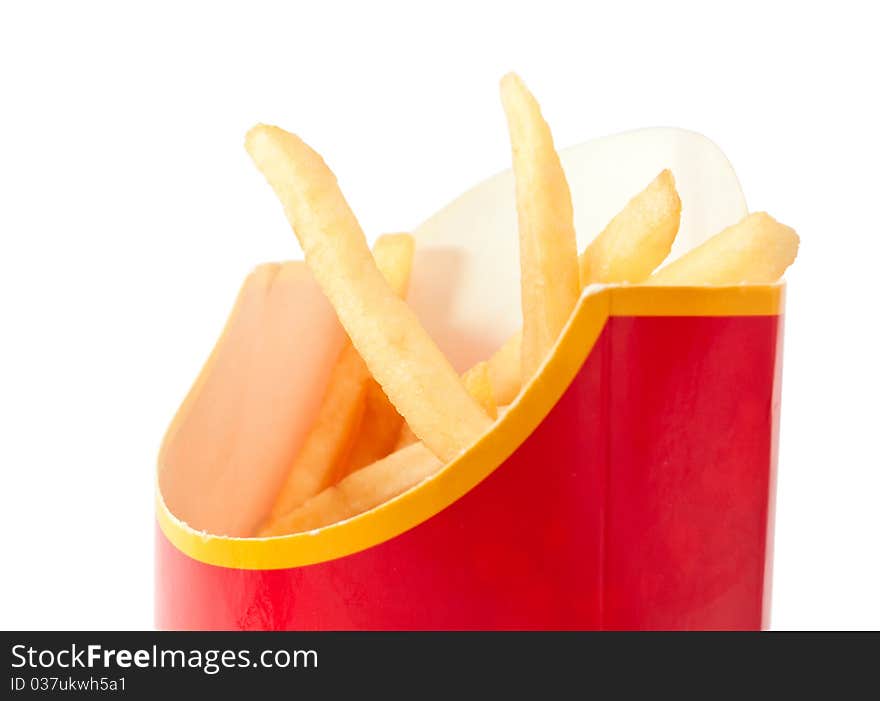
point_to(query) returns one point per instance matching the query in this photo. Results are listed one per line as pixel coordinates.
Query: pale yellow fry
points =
(330, 438)
(548, 248)
(360, 491)
(479, 385)
(402, 357)
(393, 254)
(633, 244)
(757, 250)
(478, 382)
(504, 369)
(637, 239)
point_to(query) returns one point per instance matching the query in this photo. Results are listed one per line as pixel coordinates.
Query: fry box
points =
(629, 486)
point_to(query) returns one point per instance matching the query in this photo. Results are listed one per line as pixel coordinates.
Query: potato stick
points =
(393, 254)
(479, 384)
(504, 369)
(380, 423)
(548, 247)
(633, 244)
(480, 387)
(377, 435)
(401, 356)
(636, 240)
(758, 250)
(360, 491)
(332, 435)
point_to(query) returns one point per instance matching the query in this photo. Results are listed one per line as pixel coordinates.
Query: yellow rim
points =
(491, 450)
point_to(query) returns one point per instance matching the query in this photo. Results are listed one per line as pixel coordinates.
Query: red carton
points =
(630, 485)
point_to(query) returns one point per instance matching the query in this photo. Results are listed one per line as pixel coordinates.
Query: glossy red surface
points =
(642, 501)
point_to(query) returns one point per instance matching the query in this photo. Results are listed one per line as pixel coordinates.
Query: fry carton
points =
(629, 484)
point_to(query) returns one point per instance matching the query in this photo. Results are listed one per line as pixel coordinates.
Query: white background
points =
(129, 213)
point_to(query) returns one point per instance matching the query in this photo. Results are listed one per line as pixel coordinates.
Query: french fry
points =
(377, 434)
(401, 356)
(637, 239)
(633, 244)
(756, 250)
(479, 385)
(548, 247)
(360, 491)
(369, 486)
(331, 438)
(504, 369)
(393, 254)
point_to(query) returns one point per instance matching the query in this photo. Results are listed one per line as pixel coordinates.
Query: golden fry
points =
(332, 436)
(377, 434)
(402, 357)
(504, 370)
(548, 247)
(757, 250)
(479, 385)
(637, 239)
(633, 244)
(360, 491)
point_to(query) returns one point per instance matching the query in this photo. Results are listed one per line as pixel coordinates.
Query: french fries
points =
(393, 254)
(377, 434)
(393, 410)
(758, 249)
(416, 376)
(548, 247)
(361, 491)
(330, 440)
(504, 369)
(636, 240)
(479, 385)
(633, 244)
(478, 382)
